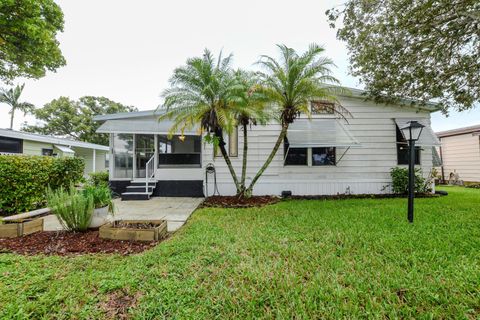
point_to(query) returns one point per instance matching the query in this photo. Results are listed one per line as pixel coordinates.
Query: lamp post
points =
(411, 133)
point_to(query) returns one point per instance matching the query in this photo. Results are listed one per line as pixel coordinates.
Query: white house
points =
(324, 155)
(460, 152)
(19, 142)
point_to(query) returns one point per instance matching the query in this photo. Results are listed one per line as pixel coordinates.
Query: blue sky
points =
(127, 50)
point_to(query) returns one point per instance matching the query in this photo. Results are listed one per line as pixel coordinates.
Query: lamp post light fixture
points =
(411, 133)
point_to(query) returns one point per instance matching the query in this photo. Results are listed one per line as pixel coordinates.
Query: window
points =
(403, 153)
(323, 156)
(123, 155)
(322, 107)
(180, 150)
(294, 156)
(233, 143)
(11, 145)
(47, 152)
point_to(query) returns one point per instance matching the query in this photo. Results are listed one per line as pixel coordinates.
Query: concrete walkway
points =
(175, 210)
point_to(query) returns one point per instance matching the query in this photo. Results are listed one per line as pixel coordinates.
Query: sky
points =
(127, 50)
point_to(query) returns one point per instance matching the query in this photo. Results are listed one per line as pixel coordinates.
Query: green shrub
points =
(99, 178)
(400, 181)
(73, 209)
(102, 196)
(473, 186)
(24, 179)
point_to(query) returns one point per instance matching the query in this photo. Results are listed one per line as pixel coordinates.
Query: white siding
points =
(361, 170)
(461, 154)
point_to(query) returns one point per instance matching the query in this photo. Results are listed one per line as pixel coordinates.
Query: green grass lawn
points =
(295, 259)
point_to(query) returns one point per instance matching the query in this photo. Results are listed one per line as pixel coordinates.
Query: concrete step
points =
(139, 183)
(139, 189)
(136, 196)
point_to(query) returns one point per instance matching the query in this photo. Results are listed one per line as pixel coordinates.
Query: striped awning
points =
(320, 133)
(147, 125)
(427, 138)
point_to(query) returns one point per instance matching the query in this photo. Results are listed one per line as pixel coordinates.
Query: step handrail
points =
(150, 165)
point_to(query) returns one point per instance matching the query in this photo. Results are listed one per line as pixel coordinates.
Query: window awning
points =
(427, 138)
(320, 133)
(148, 125)
(64, 149)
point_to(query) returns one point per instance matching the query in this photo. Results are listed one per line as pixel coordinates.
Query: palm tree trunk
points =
(11, 118)
(244, 162)
(277, 145)
(221, 145)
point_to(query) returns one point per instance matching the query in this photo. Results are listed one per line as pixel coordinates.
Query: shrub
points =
(99, 178)
(73, 209)
(473, 186)
(400, 181)
(102, 196)
(23, 179)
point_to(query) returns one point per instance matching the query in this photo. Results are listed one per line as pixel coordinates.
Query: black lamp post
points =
(412, 133)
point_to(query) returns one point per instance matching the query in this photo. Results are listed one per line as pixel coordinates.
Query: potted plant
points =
(103, 203)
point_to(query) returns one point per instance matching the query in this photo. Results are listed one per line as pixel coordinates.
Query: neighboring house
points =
(326, 155)
(460, 153)
(13, 142)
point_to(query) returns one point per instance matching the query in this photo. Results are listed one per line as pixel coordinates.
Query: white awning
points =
(427, 138)
(320, 133)
(64, 149)
(148, 125)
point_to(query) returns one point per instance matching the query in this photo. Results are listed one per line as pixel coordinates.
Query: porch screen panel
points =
(179, 151)
(123, 155)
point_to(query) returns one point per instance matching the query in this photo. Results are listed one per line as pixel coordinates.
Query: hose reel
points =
(210, 170)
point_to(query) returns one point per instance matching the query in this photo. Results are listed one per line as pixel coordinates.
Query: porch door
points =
(144, 150)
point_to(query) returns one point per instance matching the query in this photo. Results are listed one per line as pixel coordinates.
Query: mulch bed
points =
(362, 196)
(235, 202)
(259, 201)
(68, 243)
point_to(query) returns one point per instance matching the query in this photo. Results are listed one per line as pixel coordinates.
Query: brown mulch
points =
(69, 243)
(362, 196)
(236, 202)
(259, 201)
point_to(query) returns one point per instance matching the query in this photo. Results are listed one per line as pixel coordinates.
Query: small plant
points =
(74, 209)
(99, 178)
(102, 196)
(400, 181)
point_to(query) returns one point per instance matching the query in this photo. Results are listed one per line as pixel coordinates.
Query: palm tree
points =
(203, 93)
(289, 84)
(11, 97)
(250, 110)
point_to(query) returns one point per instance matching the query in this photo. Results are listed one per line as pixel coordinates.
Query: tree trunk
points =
(11, 118)
(221, 145)
(244, 159)
(277, 145)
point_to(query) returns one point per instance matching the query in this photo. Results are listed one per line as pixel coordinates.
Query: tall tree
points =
(11, 97)
(202, 94)
(251, 109)
(65, 117)
(429, 50)
(28, 44)
(289, 84)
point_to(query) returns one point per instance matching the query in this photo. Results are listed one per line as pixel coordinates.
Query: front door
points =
(144, 150)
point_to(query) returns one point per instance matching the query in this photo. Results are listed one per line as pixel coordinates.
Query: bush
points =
(99, 178)
(24, 179)
(473, 186)
(73, 209)
(101, 194)
(400, 181)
